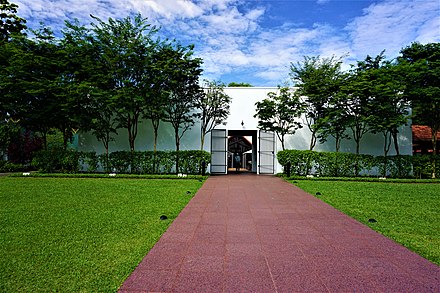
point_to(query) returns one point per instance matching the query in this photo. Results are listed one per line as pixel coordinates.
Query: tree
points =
(183, 90)
(11, 26)
(239, 84)
(357, 90)
(126, 47)
(9, 131)
(334, 120)
(214, 108)
(279, 113)
(29, 82)
(389, 110)
(155, 108)
(10, 23)
(420, 64)
(88, 88)
(102, 120)
(317, 80)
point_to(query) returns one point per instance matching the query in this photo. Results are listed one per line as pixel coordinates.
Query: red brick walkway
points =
(249, 233)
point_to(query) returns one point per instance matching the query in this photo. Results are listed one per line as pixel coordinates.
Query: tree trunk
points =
(202, 140)
(132, 132)
(386, 148)
(131, 141)
(434, 151)
(44, 137)
(358, 147)
(396, 142)
(65, 138)
(338, 144)
(313, 141)
(155, 123)
(356, 166)
(176, 133)
(106, 167)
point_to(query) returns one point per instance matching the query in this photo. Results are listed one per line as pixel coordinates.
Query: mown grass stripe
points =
(81, 235)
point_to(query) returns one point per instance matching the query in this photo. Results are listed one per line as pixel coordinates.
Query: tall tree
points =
(420, 64)
(183, 90)
(126, 46)
(29, 82)
(280, 113)
(155, 106)
(214, 107)
(11, 26)
(334, 120)
(317, 80)
(10, 22)
(389, 110)
(87, 85)
(357, 90)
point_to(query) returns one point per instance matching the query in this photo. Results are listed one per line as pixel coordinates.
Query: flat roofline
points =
(250, 87)
(256, 87)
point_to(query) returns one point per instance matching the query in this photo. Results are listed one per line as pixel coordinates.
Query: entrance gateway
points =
(256, 149)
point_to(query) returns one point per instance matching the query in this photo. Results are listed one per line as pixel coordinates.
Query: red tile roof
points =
(422, 133)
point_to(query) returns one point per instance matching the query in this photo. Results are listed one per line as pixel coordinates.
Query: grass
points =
(406, 212)
(81, 234)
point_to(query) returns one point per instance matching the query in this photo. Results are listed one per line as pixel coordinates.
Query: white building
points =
(240, 134)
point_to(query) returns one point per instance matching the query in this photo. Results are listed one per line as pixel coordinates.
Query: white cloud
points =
(170, 9)
(391, 25)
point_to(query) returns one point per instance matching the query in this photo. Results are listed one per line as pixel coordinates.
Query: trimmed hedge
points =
(331, 164)
(6, 167)
(123, 162)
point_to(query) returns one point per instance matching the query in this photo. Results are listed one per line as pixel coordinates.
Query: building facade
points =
(240, 135)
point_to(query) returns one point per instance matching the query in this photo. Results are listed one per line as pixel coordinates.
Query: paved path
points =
(249, 233)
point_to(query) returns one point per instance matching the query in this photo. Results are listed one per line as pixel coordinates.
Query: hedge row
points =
(330, 164)
(126, 162)
(6, 166)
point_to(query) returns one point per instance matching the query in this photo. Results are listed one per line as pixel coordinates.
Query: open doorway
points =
(242, 151)
(255, 151)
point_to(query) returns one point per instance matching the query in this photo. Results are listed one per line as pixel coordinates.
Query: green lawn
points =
(407, 213)
(81, 235)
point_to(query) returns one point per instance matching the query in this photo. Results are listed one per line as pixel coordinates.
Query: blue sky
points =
(255, 41)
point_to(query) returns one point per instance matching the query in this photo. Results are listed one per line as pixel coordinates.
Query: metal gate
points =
(266, 153)
(219, 151)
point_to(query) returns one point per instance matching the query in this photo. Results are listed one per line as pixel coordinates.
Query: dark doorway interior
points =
(242, 151)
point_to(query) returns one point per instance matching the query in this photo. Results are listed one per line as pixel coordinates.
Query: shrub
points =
(190, 162)
(301, 162)
(6, 166)
(165, 161)
(331, 164)
(422, 165)
(120, 161)
(88, 161)
(126, 162)
(56, 160)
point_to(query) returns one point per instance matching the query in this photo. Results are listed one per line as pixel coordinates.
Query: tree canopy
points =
(317, 80)
(420, 64)
(10, 22)
(280, 113)
(239, 84)
(213, 107)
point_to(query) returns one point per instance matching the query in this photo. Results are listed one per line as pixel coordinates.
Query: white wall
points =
(243, 106)
(242, 109)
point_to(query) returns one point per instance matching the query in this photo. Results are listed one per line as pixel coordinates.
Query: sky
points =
(256, 41)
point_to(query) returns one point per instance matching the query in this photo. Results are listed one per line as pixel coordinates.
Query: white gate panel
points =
(266, 153)
(219, 151)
